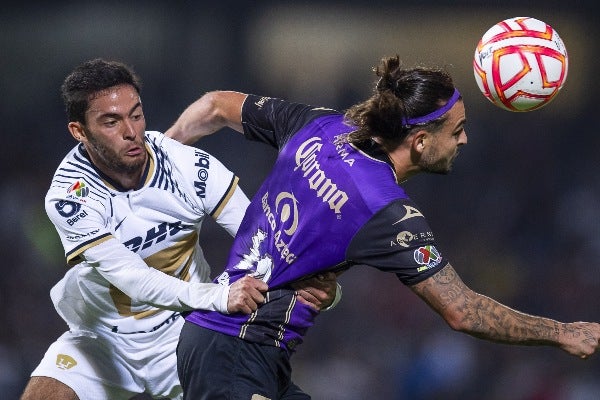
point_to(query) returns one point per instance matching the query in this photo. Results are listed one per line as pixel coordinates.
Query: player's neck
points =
(131, 180)
(123, 178)
(402, 163)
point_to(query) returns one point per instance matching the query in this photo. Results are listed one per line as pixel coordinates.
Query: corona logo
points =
(327, 190)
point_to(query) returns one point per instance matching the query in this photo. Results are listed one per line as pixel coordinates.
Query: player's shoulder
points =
(191, 166)
(399, 216)
(401, 211)
(77, 180)
(169, 147)
(283, 108)
(398, 227)
(181, 157)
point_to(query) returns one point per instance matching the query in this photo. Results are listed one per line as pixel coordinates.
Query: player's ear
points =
(76, 130)
(419, 141)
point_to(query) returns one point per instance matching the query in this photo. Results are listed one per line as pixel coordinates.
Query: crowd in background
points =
(518, 216)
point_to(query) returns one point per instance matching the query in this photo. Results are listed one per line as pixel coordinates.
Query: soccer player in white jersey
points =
(128, 205)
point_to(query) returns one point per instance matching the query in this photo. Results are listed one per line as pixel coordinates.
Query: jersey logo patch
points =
(404, 238)
(326, 189)
(67, 209)
(203, 164)
(428, 257)
(411, 212)
(261, 102)
(154, 235)
(79, 189)
(64, 361)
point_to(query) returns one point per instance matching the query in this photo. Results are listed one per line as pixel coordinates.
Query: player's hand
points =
(317, 292)
(246, 294)
(580, 339)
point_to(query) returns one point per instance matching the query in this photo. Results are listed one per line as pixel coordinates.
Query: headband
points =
(433, 115)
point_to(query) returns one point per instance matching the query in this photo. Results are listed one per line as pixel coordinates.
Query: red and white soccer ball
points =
(520, 64)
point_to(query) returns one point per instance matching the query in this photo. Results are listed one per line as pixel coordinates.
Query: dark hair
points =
(400, 94)
(91, 77)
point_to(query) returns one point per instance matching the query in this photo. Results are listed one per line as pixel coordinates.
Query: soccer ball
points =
(520, 64)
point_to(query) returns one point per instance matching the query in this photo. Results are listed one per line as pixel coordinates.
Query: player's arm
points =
(210, 113)
(229, 216)
(264, 119)
(129, 273)
(467, 311)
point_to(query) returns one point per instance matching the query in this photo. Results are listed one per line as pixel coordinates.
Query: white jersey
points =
(116, 241)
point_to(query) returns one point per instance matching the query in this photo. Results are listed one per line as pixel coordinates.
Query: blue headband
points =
(433, 115)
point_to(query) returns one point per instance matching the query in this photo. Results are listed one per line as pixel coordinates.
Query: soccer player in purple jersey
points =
(333, 201)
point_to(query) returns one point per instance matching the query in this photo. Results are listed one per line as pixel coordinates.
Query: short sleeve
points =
(207, 180)
(78, 219)
(398, 239)
(274, 121)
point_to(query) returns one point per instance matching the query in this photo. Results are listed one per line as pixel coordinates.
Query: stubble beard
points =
(111, 161)
(433, 165)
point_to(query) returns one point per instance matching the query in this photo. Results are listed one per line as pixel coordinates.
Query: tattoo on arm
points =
(481, 316)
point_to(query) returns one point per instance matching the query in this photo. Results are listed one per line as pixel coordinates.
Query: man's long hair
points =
(400, 94)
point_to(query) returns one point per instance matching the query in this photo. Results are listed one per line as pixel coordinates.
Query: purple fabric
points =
(436, 114)
(300, 223)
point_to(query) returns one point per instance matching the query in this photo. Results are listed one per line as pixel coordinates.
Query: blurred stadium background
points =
(518, 217)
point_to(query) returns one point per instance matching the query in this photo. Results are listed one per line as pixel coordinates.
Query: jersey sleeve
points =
(274, 121)
(78, 216)
(231, 214)
(129, 273)
(213, 188)
(398, 239)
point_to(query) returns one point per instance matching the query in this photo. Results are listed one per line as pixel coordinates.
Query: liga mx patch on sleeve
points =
(78, 190)
(428, 257)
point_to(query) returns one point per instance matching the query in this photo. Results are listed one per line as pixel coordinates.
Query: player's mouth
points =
(134, 151)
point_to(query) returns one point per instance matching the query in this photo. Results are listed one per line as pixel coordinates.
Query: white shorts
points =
(113, 366)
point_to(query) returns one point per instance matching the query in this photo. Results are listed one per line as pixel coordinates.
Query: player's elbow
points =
(465, 314)
(461, 315)
(455, 321)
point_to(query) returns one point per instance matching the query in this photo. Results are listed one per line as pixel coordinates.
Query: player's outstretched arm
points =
(208, 114)
(480, 316)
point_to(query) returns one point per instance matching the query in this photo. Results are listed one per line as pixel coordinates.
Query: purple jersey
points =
(325, 206)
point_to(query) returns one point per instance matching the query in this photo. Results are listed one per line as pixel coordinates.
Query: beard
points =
(110, 159)
(434, 164)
